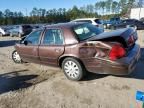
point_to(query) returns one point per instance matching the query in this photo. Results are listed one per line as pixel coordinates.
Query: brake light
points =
(131, 40)
(117, 52)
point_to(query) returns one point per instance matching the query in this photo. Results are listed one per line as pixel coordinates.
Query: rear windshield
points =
(98, 21)
(86, 31)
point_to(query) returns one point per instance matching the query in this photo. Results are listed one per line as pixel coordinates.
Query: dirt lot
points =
(34, 86)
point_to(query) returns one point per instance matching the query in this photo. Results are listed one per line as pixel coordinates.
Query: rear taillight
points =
(131, 40)
(117, 52)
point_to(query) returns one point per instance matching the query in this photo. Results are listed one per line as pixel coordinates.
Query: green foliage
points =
(102, 9)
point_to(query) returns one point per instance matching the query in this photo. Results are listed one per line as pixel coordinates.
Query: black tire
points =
(73, 74)
(15, 59)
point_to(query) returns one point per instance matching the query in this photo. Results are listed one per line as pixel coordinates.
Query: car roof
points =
(130, 20)
(65, 25)
(86, 19)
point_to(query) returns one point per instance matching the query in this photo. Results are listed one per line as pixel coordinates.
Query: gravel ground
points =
(35, 86)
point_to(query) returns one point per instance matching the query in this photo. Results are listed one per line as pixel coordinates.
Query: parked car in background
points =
(139, 25)
(113, 21)
(142, 19)
(80, 47)
(95, 21)
(4, 31)
(36, 26)
(20, 30)
(106, 23)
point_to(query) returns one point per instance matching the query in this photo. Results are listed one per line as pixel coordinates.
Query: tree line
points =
(102, 9)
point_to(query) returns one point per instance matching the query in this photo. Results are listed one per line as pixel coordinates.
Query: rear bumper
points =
(122, 66)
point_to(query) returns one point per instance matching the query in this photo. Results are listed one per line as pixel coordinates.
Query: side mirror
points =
(26, 42)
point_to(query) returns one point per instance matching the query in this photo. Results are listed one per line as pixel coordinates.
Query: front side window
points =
(53, 37)
(85, 31)
(33, 38)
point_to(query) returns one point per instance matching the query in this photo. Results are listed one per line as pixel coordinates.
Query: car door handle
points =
(57, 50)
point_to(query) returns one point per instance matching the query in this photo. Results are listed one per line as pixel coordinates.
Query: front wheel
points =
(16, 57)
(73, 69)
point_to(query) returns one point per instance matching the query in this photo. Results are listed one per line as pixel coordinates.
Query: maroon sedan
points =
(80, 47)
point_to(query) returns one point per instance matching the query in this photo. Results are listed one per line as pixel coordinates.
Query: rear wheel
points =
(73, 69)
(16, 57)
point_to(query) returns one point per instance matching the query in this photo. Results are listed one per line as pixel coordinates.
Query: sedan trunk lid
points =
(126, 37)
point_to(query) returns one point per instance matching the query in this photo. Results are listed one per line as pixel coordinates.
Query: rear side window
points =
(86, 31)
(53, 37)
(98, 21)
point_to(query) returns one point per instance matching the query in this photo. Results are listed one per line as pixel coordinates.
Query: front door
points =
(29, 51)
(52, 47)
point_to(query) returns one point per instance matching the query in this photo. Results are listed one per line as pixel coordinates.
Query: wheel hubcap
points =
(16, 57)
(71, 69)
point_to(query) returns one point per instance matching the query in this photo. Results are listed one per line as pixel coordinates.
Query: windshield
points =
(98, 21)
(86, 31)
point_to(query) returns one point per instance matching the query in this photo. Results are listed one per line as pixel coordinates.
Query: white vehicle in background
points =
(4, 31)
(95, 21)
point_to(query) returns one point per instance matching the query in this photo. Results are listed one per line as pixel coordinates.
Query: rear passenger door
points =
(52, 46)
